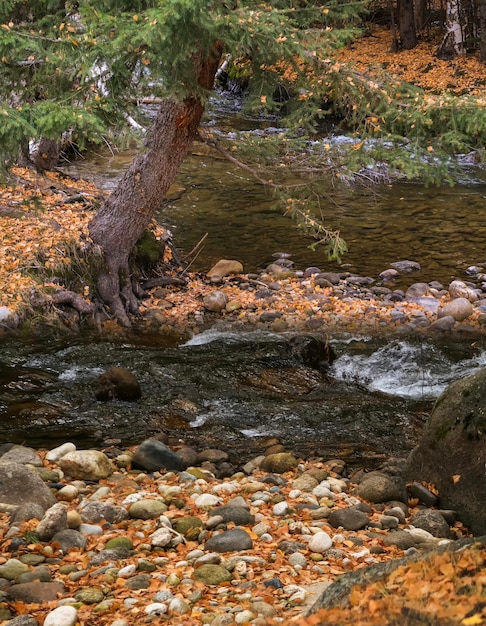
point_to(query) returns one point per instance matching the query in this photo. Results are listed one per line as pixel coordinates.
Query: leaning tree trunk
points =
(127, 212)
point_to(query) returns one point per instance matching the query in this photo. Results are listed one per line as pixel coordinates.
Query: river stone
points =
(62, 616)
(55, 454)
(305, 482)
(147, 509)
(320, 542)
(153, 455)
(460, 309)
(22, 620)
(188, 525)
(405, 267)
(212, 455)
(431, 521)
(12, 569)
(119, 542)
(212, 574)
(312, 351)
(139, 581)
(417, 290)
(86, 465)
(117, 382)
(423, 494)
(28, 510)
(19, 485)
(451, 453)
(350, 518)
(96, 511)
(225, 267)
(22, 454)
(378, 487)
(89, 595)
(215, 301)
(36, 592)
(445, 323)
(389, 274)
(279, 463)
(458, 289)
(230, 541)
(239, 515)
(54, 520)
(70, 538)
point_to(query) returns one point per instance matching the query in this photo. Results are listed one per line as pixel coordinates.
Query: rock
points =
(23, 455)
(54, 520)
(62, 616)
(212, 455)
(153, 455)
(460, 309)
(417, 290)
(119, 383)
(97, 511)
(451, 453)
(312, 351)
(36, 592)
(139, 581)
(5, 313)
(377, 487)
(55, 454)
(89, 595)
(320, 542)
(70, 538)
(404, 267)
(212, 574)
(119, 542)
(423, 494)
(445, 323)
(389, 274)
(350, 518)
(19, 485)
(458, 289)
(239, 515)
(86, 465)
(161, 538)
(12, 569)
(279, 463)
(225, 267)
(431, 521)
(23, 620)
(188, 525)
(230, 541)
(215, 301)
(147, 509)
(29, 510)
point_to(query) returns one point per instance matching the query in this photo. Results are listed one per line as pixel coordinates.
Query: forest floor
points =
(42, 219)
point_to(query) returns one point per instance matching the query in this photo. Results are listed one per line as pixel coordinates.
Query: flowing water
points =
(234, 390)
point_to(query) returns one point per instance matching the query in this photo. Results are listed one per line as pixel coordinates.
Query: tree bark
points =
(482, 30)
(406, 24)
(129, 209)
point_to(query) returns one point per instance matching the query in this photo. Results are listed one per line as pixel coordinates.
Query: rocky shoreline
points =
(159, 534)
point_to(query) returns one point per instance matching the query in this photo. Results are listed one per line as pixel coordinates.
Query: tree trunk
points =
(482, 30)
(129, 209)
(406, 24)
(453, 42)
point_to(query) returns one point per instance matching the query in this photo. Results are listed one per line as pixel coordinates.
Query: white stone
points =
(5, 313)
(294, 493)
(207, 499)
(86, 464)
(421, 536)
(281, 508)
(62, 616)
(161, 537)
(56, 453)
(320, 542)
(156, 608)
(323, 491)
(90, 529)
(68, 493)
(243, 617)
(178, 606)
(225, 488)
(127, 571)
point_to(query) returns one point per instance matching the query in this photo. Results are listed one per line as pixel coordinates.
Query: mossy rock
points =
(187, 525)
(119, 542)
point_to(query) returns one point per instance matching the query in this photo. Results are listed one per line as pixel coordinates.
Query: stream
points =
(234, 390)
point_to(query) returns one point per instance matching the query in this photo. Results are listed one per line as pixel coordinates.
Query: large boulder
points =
(451, 453)
(19, 484)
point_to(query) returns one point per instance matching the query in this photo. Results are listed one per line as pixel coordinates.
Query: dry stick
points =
(198, 249)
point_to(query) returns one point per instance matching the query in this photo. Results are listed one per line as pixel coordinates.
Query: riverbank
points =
(44, 224)
(102, 537)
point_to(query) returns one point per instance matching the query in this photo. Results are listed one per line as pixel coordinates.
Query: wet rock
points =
(153, 455)
(36, 592)
(215, 301)
(212, 574)
(389, 274)
(443, 324)
(233, 540)
(54, 520)
(212, 455)
(19, 485)
(404, 267)
(86, 465)
(279, 463)
(312, 351)
(377, 487)
(119, 383)
(225, 267)
(350, 518)
(460, 309)
(311, 271)
(417, 290)
(451, 453)
(431, 521)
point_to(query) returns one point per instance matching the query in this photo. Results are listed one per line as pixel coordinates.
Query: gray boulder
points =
(230, 541)
(19, 484)
(451, 453)
(153, 455)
